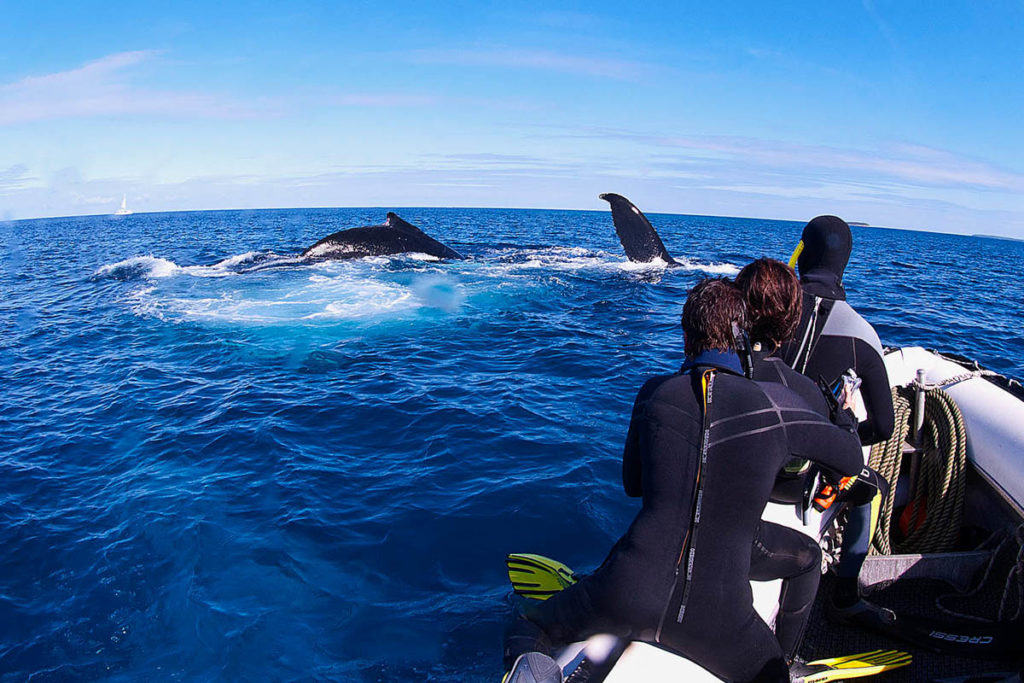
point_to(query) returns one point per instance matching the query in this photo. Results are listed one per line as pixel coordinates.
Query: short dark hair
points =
(774, 299)
(711, 308)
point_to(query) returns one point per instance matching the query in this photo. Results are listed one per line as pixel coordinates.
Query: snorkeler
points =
(832, 338)
(703, 448)
(830, 341)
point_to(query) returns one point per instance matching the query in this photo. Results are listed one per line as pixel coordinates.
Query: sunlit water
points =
(219, 462)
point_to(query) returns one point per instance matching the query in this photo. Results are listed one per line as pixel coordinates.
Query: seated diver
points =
(703, 447)
(831, 340)
(773, 297)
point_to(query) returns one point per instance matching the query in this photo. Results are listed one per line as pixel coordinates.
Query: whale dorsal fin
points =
(395, 221)
(639, 238)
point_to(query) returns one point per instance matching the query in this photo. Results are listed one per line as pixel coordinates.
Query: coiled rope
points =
(938, 501)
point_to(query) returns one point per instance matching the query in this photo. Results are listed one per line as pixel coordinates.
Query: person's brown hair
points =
(711, 307)
(774, 298)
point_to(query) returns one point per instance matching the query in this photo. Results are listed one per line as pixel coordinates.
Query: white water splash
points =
(147, 267)
(713, 268)
(365, 290)
(138, 267)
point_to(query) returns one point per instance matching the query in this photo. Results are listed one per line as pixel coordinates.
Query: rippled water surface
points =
(211, 468)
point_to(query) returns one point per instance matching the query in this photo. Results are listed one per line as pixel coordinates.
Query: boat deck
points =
(917, 596)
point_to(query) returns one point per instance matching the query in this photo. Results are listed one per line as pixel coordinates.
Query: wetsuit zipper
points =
(689, 546)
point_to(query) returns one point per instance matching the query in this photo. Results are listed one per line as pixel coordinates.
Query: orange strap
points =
(826, 495)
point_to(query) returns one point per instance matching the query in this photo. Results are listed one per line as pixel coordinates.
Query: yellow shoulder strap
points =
(705, 379)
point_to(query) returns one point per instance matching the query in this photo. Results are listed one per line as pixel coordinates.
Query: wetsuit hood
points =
(827, 244)
(722, 360)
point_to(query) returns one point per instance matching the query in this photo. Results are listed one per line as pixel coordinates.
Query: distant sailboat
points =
(124, 210)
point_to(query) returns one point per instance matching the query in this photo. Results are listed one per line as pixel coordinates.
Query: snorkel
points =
(741, 341)
(796, 254)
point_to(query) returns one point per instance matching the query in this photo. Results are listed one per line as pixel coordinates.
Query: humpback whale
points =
(639, 238)
(395, 236)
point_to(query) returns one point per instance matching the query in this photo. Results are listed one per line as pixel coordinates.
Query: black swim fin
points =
(976, 639)
(639, 238)
(959, 638)
(987, 677)
(850, 666)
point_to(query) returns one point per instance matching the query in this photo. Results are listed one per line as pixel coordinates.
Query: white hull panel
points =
(994, 418)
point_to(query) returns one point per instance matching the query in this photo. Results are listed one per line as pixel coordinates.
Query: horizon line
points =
(855, 224)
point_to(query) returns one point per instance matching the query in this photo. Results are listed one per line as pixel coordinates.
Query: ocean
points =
(314, 471)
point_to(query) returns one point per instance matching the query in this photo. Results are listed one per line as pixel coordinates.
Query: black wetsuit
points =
(769, 367)
(779, 552)
(831, 339)
(680, 575)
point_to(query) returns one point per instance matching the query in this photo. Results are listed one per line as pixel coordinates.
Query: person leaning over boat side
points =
(830, 340)
(773, 297)
(702, 450)
(772, 294)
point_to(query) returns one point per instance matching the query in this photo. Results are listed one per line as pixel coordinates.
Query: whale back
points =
(395, 236)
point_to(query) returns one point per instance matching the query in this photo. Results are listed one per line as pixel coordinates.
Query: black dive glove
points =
(864, 487)
(844, 419)
(858, 490)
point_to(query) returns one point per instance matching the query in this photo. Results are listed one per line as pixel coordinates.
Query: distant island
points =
(998, 237)
(859, 224)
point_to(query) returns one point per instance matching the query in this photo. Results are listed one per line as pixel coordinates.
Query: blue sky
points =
(901, 114)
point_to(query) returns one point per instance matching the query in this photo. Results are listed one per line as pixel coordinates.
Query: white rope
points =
(955, 379)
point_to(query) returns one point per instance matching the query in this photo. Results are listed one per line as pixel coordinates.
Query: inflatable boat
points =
(983, 479)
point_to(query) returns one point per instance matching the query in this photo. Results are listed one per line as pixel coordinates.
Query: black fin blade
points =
(639, 238)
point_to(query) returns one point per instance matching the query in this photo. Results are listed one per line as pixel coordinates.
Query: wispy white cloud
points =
(542, 60)
(385, 100)
(398, 99)
(911, 164)
(492, 162)
(94, 200)
(710, 186)
(568, 20)
(107, 87)
(14, 178)
(880, 24)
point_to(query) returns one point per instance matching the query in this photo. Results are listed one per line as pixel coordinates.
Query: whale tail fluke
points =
(639, 238)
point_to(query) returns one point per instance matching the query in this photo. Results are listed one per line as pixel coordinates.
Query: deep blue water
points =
(314, 471)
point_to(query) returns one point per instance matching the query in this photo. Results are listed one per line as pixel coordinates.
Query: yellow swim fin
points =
(850, 666)
(536, 576)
